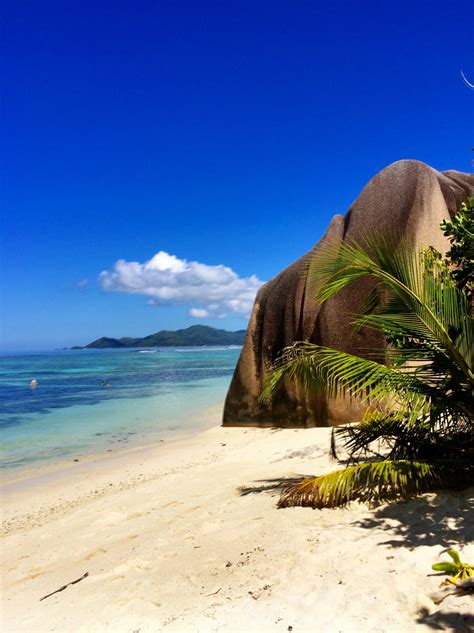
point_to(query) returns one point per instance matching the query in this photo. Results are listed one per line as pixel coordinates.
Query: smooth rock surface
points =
(407, 198)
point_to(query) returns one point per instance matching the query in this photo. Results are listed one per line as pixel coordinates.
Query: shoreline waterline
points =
(70, 413)
(39, 494)
(20, 476)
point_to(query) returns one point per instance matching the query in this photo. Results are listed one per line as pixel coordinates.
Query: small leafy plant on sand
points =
(457, 569)
(417, 434)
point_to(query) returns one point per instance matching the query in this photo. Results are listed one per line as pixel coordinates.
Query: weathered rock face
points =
(407, 198)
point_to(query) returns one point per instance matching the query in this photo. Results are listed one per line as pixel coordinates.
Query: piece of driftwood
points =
(214, 593)
(65, 586)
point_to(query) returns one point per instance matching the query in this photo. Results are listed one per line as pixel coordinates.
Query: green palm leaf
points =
(392, 436)
(423, 301)
(341, 374)
(377, 481)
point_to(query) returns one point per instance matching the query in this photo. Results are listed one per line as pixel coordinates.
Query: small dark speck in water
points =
(76, 460)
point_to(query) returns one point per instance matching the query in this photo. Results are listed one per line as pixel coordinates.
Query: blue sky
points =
(222, 135)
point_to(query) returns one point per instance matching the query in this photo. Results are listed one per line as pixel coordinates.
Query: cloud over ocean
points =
(211, 291)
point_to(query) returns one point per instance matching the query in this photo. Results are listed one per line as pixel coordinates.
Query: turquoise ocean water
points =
(90, 401)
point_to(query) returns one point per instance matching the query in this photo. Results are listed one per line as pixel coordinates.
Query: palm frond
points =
(392, 436)
(422, 300)
(377, 482)
(341, 374)
(384, 430)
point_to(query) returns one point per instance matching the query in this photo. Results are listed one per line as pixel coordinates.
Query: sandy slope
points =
(170, 544)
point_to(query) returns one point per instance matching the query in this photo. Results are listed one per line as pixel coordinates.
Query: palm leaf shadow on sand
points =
(272, 486)
(444, 519)
(447, 621)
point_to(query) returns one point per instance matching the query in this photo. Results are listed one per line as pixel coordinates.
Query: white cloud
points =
(211, 291)
(199, 313)
(82, 283)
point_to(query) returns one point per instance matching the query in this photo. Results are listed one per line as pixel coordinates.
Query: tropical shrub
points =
(417, 434)
(460, 232)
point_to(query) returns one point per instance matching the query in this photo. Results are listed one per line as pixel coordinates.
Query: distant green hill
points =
(194, 335)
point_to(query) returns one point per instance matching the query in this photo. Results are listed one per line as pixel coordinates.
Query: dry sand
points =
(169, 544)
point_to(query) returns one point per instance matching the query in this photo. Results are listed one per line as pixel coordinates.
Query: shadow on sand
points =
(447, 621)
(443, 519)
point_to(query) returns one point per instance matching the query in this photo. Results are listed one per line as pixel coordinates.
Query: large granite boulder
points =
(407, 198)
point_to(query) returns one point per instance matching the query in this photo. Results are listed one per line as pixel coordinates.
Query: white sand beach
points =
(170, 544)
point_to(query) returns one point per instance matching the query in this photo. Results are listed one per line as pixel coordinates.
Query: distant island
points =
(192, 336)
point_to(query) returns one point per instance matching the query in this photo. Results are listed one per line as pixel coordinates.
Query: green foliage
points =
(460, 232)
(374, 481)
(419, 392)
(457, 569)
